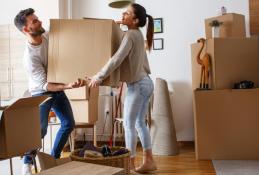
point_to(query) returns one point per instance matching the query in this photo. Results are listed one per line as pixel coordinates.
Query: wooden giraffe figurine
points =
(205, 65)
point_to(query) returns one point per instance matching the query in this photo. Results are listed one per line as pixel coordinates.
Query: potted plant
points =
(215, 24)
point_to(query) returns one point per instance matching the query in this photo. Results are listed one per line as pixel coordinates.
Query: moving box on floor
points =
(20, 127)
(226, 124)
(82, 168)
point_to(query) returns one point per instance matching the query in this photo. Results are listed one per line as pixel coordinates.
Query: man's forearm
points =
(53, 87)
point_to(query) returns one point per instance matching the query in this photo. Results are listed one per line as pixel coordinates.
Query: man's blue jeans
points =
(59, 103)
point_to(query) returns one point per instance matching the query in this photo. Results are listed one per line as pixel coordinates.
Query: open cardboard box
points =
(20, 127)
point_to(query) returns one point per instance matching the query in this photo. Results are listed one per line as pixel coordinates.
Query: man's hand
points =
(118, 22)
(79, 83)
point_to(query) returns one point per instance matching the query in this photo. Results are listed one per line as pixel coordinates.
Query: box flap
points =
(28, 102)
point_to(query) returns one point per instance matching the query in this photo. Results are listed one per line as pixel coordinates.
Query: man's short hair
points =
(20, 19)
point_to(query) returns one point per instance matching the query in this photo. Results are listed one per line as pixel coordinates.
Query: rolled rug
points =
(162, 131)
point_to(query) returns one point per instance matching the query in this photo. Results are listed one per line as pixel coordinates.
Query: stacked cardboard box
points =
(226, 119)
(233, 26)
(232, 60)
(79, 48)
(85, 109)
(227, 124)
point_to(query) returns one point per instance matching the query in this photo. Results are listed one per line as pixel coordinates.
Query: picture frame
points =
(158, 44)
(158, 25)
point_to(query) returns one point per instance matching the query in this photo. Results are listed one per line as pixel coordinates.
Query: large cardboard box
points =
(226, 124)
(86, 111)
(233, 26)
(80, 168)
(81, 47)
(20, 127)
(232, 59)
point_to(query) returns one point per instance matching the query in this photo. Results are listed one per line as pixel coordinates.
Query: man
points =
(35, 61)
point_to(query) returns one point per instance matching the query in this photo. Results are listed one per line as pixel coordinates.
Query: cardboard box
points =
(86, 111)
(80, 168)
(233, 60)
(81, 47)
(226, 124)
(20, 127)
(233, 26)
(81, 93)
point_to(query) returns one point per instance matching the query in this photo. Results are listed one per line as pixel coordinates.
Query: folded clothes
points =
(89, 150)
(121, 151)
(88, 146)
(94, 154)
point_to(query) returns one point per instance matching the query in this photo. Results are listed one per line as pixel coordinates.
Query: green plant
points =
(215, 23)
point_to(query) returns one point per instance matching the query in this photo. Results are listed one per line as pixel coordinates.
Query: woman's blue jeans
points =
(135, 110)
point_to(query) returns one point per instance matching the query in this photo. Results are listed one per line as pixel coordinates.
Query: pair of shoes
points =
(26, 169)
(146, 168)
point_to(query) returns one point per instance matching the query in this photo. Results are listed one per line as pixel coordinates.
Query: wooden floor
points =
(184, 163)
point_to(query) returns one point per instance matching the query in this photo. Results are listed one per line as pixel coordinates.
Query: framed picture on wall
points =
(158, 25)
(158, 44)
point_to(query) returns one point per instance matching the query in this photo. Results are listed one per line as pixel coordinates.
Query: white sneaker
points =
(26, 169)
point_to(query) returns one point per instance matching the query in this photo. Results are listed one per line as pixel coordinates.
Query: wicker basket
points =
(121, 161)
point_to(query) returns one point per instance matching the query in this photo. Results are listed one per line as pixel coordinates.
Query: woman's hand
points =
(94, 82)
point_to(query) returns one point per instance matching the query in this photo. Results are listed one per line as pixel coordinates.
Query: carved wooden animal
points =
(204, 61)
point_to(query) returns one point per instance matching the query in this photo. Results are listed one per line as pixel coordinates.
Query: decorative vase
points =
(215, 32)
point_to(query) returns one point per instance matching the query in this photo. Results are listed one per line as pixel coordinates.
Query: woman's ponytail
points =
(150, 32)
(141, 15)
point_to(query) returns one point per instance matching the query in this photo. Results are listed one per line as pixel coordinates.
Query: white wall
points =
(45, 9)
(183, 25)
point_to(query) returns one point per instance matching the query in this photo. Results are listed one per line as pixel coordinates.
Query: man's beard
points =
(37, 33)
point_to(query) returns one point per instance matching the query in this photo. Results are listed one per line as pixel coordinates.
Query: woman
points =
(132, 59)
